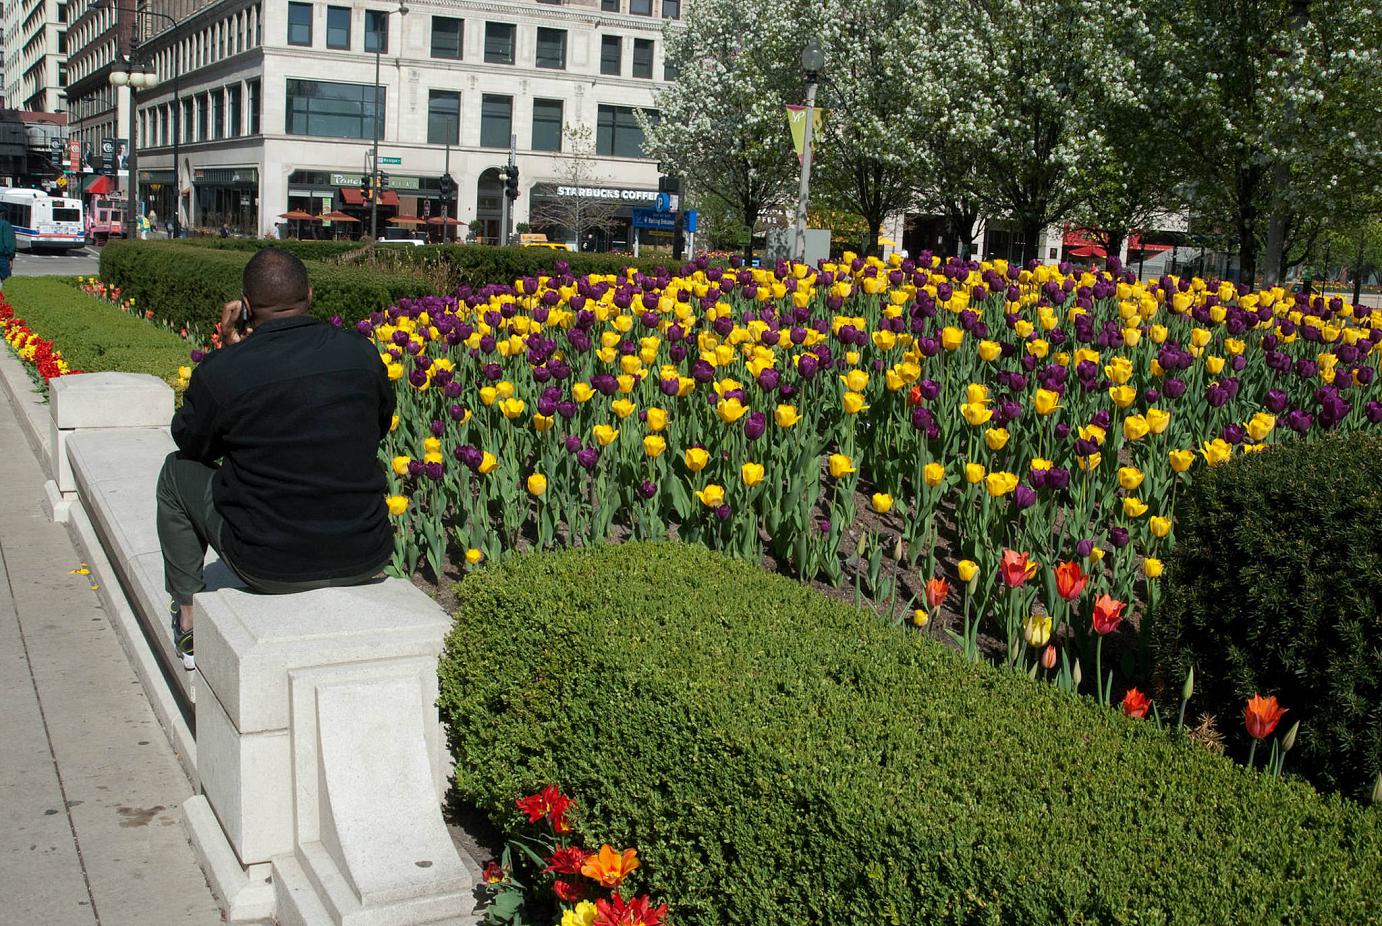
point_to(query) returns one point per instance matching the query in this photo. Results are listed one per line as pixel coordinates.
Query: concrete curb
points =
(32, 410)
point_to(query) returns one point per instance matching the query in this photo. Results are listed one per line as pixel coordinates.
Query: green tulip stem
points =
(1099, 670)
(1252, 753)
(1180, 723)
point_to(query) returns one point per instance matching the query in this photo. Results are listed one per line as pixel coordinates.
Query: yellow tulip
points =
(1036, 630)
(604, 434)
(920, 618)
(1216, 451)
(488, 464)
(397, 504)
(657, 418)
(1090, 462)
(1093, 432)
(786, 416)
(1134, 507)
(751, 473)
(853, 403)
(1118, 370)
(623, 408)
(977, 394)
(974, 473)
(855, 380)
(933, 473)
(996, 438)
(696, 458)
(1045, 401)
(512, 408)
(840, 465)
(967, 570)
(431, 445)
(653, 446)
(582, 392)
(989, 351)
(1260, 425)
(543, 423)
(1000, 484)
(952, 337)
(395, 371)
(1152, 567)
(393, 423)
(400, 465)
(1181, 460)
(712, 496)
(1159, 526)
(1122, 396)
(537, 484)
(976, 414)
(1136, 427)
(432, 456)
(882, 502)
(1213, 364)
(730, 410)
(1157, 420)
(1129, 477)
(488, 395)
(473, 556)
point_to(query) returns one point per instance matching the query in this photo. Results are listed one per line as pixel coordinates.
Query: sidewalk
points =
(91, 788)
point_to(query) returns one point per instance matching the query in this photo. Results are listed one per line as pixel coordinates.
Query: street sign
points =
(383, 160)
(657, 221)
(667, 202)
(692, 220)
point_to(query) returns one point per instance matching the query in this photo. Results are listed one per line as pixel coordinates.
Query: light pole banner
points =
(796, 120)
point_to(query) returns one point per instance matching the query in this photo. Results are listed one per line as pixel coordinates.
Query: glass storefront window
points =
(324, 109)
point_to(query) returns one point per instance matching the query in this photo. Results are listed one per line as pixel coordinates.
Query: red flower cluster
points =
(30, 347)
(637, 912)
(549, 803)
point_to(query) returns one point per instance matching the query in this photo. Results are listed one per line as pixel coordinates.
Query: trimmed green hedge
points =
(477, 265)
(780, 757)
(1275, 586)
(93, 335)
(184, 282)
(307, 250)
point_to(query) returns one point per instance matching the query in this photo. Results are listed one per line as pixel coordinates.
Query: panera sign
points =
(600, 192)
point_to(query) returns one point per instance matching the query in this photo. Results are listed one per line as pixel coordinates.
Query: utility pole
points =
(510, 175)
(812, 60)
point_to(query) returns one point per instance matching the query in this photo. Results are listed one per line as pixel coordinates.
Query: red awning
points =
(354, 196)
(101, 186)
(1135, 243)
(1087, 250)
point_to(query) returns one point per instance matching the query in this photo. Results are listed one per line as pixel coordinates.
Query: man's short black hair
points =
(275, 279)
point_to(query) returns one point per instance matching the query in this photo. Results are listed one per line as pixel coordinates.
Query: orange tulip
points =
(1070, 580)
(1108, 614)
(609, 867)
(936, 592)
(1262, 715)
(1016, 568)
(1135, 703)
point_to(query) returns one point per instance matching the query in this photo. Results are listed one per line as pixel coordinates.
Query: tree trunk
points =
(750, 209)
(1247, 246)
(1113, 244)
(1031, 240)
(871, 247)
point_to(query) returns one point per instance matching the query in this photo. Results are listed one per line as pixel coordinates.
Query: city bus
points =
(42, 222)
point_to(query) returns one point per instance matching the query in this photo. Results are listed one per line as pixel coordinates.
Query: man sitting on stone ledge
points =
(277, 464)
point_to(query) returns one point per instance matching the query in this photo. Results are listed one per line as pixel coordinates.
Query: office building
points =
(35, 53)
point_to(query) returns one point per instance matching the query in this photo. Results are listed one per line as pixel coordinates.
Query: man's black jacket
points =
(295, 412)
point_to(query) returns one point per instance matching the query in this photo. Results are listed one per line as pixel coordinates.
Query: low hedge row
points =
(93, 335)
(477, 265)
(307, 250)
(188, 283)
(1275, 586)
(779, 757)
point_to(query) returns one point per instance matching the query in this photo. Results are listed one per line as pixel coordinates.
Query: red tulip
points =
(1016, 568)
(1262, 715)
(1135, 703)
(1048, 657)
(1108, 614)
(1070, 580)
(936, 592)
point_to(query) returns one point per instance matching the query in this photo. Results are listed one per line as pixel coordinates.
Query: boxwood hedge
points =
(1275, 586)
(779, 757)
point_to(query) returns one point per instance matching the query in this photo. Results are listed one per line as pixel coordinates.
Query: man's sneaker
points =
(182, 639)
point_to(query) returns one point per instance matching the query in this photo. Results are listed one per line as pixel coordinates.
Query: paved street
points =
(92, 788)
(79, 262)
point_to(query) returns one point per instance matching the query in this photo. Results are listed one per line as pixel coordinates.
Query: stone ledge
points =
(110, 400)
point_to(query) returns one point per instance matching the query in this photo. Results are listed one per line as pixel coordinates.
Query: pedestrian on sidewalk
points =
(277, 466)
(6, 250)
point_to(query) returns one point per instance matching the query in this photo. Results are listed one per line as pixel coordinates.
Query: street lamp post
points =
(374, 167)
(812, 60)
(140, 77)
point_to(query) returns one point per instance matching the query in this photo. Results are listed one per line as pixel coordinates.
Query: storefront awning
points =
(354, 196)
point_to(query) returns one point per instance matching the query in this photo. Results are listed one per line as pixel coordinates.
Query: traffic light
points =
(511, 182)
(669, 184)
(367, 188)
(383, 181)
(446, 185)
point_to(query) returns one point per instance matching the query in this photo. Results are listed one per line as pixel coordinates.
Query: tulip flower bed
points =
(779, 757)
(998, 445)
(40, 356)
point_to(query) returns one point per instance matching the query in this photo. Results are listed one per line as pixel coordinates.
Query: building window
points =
(218, 114)
(338, 27)
(671, 9)
(299, 24)
(203, 117)
(377, 31)
(499, 43)
(235, 111)
(641, 7)
(186, 125)
(331, 110)
(551, 48)
(443, 117)
(611, 51)
(547, 125)
(254, 107)
(496, 121)
(447, 36)
(617, 133)
(643, 58)
(609, 6)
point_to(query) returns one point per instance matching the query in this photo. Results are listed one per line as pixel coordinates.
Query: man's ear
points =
(309, 297)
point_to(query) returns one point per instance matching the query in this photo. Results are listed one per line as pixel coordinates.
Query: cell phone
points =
(243, 321)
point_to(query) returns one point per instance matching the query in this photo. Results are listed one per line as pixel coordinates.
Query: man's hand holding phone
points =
(235, 322)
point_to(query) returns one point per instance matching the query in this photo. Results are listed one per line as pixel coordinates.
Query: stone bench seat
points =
(321, 761)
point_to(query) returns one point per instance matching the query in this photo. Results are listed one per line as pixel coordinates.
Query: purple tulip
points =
(1275, 401)
(722, 512)
(587, 457)
(1119, 537)
(572, 444)
(1024, 497)
(1084, 548)
(647, 489)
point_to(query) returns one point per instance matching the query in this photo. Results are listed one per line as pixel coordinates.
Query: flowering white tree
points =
(722, 126)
